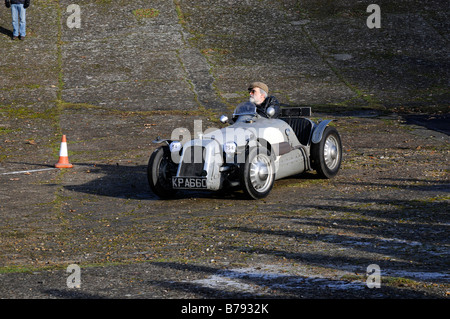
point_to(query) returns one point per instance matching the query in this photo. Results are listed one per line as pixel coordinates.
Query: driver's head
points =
(258, 92)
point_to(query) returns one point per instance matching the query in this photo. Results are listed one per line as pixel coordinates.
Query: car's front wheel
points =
(258, 174)
(160, 170)
(326, 156)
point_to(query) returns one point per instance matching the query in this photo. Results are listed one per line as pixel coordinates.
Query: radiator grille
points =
(193, 161)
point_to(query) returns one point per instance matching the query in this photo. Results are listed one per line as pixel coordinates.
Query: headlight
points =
(230, 148)
(175, 146)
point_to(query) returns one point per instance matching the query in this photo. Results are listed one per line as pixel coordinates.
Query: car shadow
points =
(130, 182)
(113, 180)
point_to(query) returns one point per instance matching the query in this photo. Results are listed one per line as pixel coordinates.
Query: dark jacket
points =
(26, 3)
(269, 101)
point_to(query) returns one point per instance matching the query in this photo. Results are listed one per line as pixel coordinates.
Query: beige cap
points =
(259, 85)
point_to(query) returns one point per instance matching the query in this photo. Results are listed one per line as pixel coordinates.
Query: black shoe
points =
(21, 37)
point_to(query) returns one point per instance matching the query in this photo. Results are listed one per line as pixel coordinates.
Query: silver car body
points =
(204, 163)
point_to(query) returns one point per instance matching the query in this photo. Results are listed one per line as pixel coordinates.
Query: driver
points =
(259, 95)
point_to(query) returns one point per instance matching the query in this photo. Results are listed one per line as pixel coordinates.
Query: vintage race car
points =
(250, 154)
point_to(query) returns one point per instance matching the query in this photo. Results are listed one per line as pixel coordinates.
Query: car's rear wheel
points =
(258, 174)
(326, 156)
(160, 170)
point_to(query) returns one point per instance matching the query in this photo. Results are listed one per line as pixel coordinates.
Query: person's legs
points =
(22, 21)
(15, 19)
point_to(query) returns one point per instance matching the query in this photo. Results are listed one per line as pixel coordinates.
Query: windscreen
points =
(245, 108)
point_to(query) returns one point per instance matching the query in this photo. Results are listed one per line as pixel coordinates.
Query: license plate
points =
(189, 182)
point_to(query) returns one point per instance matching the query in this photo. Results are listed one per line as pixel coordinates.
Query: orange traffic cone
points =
(63, 155)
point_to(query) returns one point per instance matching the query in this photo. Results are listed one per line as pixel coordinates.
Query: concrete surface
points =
(121, 80)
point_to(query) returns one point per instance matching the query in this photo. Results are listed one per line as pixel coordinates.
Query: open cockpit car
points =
(250, 154)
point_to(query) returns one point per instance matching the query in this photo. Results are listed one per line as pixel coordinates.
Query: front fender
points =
(318, 131)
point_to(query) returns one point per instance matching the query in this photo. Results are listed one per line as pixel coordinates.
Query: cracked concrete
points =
(118, 82)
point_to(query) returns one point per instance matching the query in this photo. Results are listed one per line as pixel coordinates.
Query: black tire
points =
(160, 170)
(258, 173)
(326, 156)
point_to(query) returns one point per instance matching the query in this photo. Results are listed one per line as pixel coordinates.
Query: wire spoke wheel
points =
(261, 173)
(326, 156)
(258, 175)
(331, 152)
